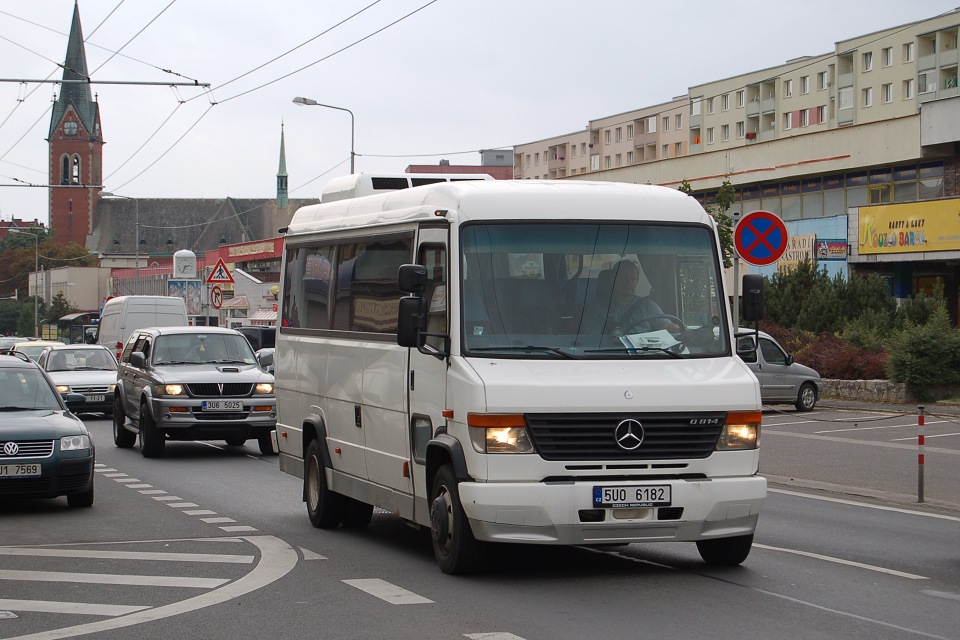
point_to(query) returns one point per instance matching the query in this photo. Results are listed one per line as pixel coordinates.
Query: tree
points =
(10, 316)
(724, 200)
(59, 307)
(25, 324)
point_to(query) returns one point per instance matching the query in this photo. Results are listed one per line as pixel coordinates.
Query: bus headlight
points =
(499, 433)
(740, 432)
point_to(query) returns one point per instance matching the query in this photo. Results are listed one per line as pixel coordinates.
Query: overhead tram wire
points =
(147, 141)
(133, 37)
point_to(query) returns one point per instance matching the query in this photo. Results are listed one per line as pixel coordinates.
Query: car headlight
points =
(264, 388)
(740, 432)
(170, 389)
(113, 388)
(499, 433)
(63, 388)
(74, 443)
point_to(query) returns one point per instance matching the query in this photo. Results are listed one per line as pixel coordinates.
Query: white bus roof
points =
(512, 200)
(357, 185)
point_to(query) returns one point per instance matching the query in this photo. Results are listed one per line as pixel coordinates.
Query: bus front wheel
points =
(454, 546)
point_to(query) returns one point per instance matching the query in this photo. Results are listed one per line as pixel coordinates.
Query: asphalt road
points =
(213, 542)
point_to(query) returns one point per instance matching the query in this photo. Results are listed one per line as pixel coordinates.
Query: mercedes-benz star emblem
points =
(629, 434)
(11, 448)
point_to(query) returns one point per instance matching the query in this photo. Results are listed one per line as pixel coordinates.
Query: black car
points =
(45, 450)
(260, 337)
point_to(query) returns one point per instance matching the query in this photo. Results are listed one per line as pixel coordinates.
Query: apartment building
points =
(863, 138)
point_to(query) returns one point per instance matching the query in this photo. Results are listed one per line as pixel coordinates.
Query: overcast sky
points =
(456, 76)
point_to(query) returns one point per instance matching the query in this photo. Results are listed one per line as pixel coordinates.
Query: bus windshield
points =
(592, 290)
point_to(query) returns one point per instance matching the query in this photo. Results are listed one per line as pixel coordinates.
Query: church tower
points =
(282, 174)
(76, 148)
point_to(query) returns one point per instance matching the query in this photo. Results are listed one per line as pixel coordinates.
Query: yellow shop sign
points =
(910, 227)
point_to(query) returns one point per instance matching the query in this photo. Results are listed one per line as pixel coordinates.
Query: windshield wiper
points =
(529, 347)
(17, 408)
(229, 361)
(173, 362)
(666, 350)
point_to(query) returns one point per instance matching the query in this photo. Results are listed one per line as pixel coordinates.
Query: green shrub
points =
(925, 356)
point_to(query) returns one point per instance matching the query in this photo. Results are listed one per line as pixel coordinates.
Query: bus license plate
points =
(96, 398)
(651, 495)
(222, 405)
(19, 470)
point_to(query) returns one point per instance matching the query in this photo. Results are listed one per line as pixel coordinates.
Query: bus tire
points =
(356, 514)
(725, 552)
(456, 550)
(324, 507)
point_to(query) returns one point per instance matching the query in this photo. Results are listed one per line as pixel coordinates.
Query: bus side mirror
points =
(410, 322)
(412, 278)
(753, 302)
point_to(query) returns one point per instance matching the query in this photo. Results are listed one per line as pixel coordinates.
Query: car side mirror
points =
(138, 359)
(746, 346)
(75, 400)
(790, 360)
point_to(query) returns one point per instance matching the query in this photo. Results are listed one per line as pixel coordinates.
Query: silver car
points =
(191, 383)
(781, 379)
(87, 369)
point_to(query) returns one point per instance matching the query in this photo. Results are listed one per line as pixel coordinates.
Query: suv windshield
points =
(606, 290)
(25, 390)
(202, 348)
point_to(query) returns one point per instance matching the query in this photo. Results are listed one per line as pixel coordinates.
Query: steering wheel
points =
(668, 316)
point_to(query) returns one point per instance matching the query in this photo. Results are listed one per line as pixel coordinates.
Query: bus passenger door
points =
(426, 377)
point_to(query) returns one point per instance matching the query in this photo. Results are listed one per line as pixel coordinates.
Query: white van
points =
(123, 315)
(563, 374)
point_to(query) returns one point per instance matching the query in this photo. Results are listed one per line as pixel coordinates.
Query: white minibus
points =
(123, 315)
(531, 362)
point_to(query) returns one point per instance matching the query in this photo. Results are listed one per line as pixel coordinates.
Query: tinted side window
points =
(772, 353)
(367, 295)
(128, 348)
(306, 287)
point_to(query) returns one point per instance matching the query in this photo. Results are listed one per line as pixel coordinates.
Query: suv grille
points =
(90, 389)
(214, 390)
(29, 449)
(591, 436)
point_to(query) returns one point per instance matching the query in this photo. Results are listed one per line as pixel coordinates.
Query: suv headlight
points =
(741, 431)
(264, 388)
(499, 433)
(170, 389)
(74, 443)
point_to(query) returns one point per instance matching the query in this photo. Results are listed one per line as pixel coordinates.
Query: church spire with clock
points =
(76, 148)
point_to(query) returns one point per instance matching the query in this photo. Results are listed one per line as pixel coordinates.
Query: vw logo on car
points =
(11, 448)
(629, 434)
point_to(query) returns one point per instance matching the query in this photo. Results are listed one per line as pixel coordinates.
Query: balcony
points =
(644, 139)
(925, 63)
(845, 116)
(694, 148)
(753, 108)
(845, 80)
(768, 105)
(768, 135)
(556, 162)
(694, 121)
(949, 58)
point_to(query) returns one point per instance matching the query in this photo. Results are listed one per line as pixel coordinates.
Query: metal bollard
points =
(920, 409)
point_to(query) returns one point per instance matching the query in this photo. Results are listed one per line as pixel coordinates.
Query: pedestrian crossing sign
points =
(220, 273)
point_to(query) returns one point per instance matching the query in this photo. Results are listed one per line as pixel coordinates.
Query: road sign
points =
(216, 297)
(220, 273)
(760, 238)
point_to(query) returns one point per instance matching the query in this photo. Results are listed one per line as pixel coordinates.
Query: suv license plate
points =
(19, 470)
(222, 405)
(651, 495)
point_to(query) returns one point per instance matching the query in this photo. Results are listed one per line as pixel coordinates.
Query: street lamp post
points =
(36, 279)
(136, 207)
(308, 102)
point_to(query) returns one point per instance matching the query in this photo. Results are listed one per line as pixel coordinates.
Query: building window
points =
(665, 152)
(678, 122)
(887, 91)
(725, 102)
(528, 161)
(740, 99)
(787, 88)
(652, 124)
(619, 160)
(695, 106)
(804, 117)
(710, 105)
(606, 162)
(75, 176)
(908, 89)
(725, 132)
(666, 123)
(629, 157)
(629, 132)
(868, 61)
(709, 135)
(536, 159)
(887, 56)
(678, 149)
(845, 98)
(821, 81)
(787, 121)
(606, 136)
(619, 134)
(583, 148)
(804, 84)
(908, 52)
(821, 115)
(740, 130)
(867, 97)
(927, 83)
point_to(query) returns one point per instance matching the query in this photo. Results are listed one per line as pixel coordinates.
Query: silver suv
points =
(191, 383)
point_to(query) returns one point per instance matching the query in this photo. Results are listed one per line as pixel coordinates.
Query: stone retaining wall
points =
(867, 391)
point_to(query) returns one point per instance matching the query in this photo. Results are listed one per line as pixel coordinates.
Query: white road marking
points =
(891, 426)
(200, 512)
(865, 505)
(153, 492)
(81, 608)
(217, 520)
(387, 592)
(165, 498)
(946, 595)
(112, 578)
(496, 635)
(862, 443)
(277, 559)
(182, 505)
(238, 528)
(126, 555)
(849, 563)
(936, 435)
(139, 486)
(125, 480)
(104, 470)
(310, 555)
(114, 475)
